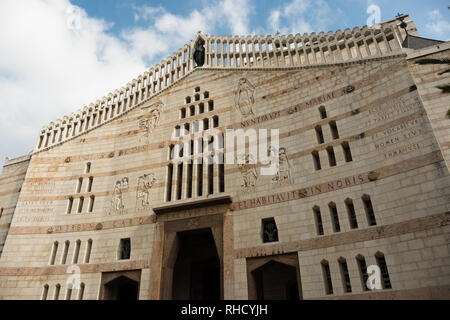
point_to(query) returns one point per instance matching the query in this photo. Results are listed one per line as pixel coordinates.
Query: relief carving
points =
(244, 98)
(145, 183)
(247, 168)
(117, 204)
(283, 175)
(151, 120)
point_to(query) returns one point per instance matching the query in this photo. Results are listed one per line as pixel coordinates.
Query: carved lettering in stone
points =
(244, 98)
(145, 183)
(403, 150)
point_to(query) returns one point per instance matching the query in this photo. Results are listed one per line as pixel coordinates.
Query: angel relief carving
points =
(150, 120)
(244, 97)
(145, 183)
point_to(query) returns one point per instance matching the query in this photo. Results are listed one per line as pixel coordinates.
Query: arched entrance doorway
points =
(122, 288)
(274, 278)
(122, 285)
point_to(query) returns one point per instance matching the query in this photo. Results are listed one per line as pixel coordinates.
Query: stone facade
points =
(354, 101)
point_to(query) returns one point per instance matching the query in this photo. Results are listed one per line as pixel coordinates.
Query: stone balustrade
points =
(222, 52)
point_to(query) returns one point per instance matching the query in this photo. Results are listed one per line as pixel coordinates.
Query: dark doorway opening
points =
(276, 281)
(196, 274)
(122, 288)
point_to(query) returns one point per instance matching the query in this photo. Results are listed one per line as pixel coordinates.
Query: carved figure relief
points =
(249, 174)
(244, 98)
(151, 120)
(117, 204)
(283, 175)
(145, 183)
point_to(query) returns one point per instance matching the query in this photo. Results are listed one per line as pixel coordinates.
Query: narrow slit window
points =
(351, 213)
(88, 168)
(327, 277)
(331, 157)
(87, 256)
(334, 217)
(179, 181)
(318, 219)
(221, 173)
(347, 152)
(215, 121)
(189, 180)
(69, 206)
(79, 184)
(334, 130)
(345, 275)
(199, 179)
(211, 106)
(57, 290)
(369, 210)
(68, 293)
(53, 254)
(80, 204)
(169, 182)
(65, 252)
(362, 266)
(316, 160)
(90, 182)
(205, 124)
(45, 292)
(183, 113)
(81, 291)
(269, 230)
(76, 253)
(381, 262)
(201, 108)
(323, 112)
(91, 203)
(319, 135)
(210, 176)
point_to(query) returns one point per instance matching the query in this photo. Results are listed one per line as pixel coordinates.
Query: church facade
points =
(144, 195)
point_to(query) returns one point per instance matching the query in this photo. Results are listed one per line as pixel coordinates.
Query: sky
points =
(57, 56)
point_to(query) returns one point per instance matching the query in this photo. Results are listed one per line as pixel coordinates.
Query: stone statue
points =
(199, 53)
(244, 97)
(270, 232)
(125, 250)
(145, 183)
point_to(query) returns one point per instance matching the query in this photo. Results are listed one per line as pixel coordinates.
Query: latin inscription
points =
(302, 193)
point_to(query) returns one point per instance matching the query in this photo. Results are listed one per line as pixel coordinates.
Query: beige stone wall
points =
(11, 180)
(396, 160)
(435, 102)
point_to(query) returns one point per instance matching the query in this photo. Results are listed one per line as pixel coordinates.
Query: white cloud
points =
(438, 26)
(300, 16)
(48, 70)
